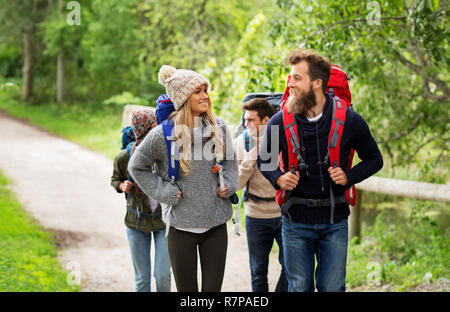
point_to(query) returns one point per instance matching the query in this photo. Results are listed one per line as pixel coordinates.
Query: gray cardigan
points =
(199, 206)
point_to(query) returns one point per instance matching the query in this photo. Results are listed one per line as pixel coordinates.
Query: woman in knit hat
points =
(143, 217)
(195, 208)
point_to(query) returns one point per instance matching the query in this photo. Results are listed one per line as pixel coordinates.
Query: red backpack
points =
(338, 87)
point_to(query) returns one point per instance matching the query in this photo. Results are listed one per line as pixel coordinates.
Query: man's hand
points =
(126, 186)
(179, 195)
(288, 181)
(338, 176)
(221, 193)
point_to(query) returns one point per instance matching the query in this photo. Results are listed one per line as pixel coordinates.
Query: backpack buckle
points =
(217, 168)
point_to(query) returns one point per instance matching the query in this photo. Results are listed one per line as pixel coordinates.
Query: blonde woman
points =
(196, 206)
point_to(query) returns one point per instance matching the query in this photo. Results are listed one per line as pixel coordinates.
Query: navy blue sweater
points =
(315, 180)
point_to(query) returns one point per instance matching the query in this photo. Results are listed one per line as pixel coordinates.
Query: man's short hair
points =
(261, 106)
(319, 67)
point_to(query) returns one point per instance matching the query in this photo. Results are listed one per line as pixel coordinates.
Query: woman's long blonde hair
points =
(183, 125)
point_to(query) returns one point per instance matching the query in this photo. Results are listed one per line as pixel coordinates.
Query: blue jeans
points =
(260, 236)
(140, 253)
(328, 242)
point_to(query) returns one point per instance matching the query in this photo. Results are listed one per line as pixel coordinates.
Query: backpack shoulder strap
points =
(337, 128)
(172, 149)
(129, 147)
(249, 142)
(290, 130)
(246, 140)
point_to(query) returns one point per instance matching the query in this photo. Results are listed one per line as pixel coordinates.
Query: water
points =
(400, 208)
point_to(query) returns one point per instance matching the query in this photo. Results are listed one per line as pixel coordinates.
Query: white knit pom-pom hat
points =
(180, 83)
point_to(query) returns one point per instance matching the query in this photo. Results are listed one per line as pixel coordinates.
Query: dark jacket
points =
(136, 199)
(314, 182)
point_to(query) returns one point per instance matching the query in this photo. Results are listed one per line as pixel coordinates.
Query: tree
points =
(397, 54)
(20, 18)
(60, 69)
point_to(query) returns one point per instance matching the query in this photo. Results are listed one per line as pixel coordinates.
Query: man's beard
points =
(301, 103)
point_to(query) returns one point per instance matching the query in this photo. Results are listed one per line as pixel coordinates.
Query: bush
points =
(400, 252)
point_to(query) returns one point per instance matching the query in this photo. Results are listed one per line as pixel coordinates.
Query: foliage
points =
(124, 99)
(398, 64)
(28, 259)
(400, 252)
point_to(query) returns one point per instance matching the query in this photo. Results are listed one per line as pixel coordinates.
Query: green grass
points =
(28, 258)
(93, 125)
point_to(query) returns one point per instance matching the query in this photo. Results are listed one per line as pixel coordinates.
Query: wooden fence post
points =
(355, 216)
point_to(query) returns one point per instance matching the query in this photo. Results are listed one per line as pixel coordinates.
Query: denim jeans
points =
(140, 253)
(260, 236)
(328, 243)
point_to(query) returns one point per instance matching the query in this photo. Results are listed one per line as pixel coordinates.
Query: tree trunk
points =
(28, 55)
(60, 76)
(60, 63)
(27, 91)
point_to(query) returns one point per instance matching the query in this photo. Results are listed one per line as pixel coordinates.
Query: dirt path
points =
(65, 187)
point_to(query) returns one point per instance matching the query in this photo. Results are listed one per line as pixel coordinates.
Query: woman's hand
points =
(222, 193)
(126, 186)
(179, 195)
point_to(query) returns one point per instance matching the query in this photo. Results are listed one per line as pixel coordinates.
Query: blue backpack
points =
(164, 107)
(127, 137)
(173, 152)
(128, 140)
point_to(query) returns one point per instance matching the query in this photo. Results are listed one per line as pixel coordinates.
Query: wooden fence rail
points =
(411, 189)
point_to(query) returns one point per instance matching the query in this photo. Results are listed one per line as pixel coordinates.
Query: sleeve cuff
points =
(276, 176)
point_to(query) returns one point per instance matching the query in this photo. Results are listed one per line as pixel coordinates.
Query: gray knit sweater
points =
(199, 206)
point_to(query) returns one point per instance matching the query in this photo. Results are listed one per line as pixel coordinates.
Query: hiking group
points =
(182, 168)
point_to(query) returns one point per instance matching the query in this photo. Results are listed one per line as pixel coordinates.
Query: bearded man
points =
(315, 231)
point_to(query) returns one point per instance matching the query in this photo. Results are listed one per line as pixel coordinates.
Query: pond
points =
(396, 208)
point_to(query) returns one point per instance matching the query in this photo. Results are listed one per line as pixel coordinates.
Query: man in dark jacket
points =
(307, 230)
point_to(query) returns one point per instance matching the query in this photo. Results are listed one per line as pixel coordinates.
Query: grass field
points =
(93, 125)
(28, 256)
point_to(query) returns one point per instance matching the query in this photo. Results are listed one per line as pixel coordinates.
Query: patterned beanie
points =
(141, 121)
(180, 83)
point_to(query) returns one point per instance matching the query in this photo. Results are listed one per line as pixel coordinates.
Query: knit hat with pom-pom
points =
(141, 122)
(180, 83)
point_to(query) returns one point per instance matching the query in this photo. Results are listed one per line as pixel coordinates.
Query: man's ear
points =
(265, 120)
(317, 84)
